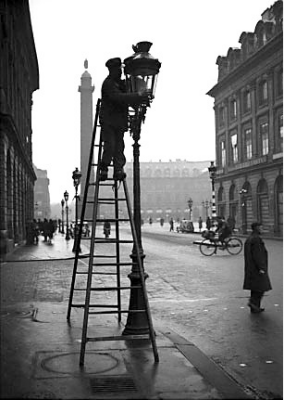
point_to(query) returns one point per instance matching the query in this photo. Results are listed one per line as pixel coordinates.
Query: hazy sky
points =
(187, 38)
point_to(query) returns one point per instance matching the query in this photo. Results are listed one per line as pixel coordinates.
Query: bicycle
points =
(210, 244)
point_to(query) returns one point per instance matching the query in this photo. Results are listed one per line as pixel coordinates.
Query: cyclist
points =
(223, 229)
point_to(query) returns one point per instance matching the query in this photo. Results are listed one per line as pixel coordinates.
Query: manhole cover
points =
(23, 313)
(117, 383)
(39, 395)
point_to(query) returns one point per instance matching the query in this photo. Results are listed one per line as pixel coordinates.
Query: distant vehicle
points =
(185, 226)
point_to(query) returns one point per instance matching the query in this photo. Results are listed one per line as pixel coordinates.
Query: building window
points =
(247, 101)
(248, 144)
(167, 172)
(221, 116)
(279, 83)
(279, 137)
(234, 143)
(263, 93)
(264, 138)
(233, 109)
(223, 153)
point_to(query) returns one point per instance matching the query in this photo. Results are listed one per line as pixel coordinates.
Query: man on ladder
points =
(114, 119)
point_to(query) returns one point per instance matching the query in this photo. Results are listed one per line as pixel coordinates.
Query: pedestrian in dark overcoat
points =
(256, 278)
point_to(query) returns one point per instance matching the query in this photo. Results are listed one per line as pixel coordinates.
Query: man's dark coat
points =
(256, 259)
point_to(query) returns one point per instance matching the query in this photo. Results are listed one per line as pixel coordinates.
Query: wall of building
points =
(41, 195)
(19, 78)
(166, 188)
(249, 126)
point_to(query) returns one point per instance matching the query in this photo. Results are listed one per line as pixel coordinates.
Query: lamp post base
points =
(137, 322)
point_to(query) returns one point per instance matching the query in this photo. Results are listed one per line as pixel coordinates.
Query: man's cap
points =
(113, 63)
(255, 225)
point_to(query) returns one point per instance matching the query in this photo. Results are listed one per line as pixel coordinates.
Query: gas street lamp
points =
(141, 71)
(206, 204)
(76, 176)
(62, 213)
(212, 173)
(66, 197)
(190, 203)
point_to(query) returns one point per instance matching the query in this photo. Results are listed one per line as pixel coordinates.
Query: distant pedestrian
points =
(171, 224)
(256, 278)
(231, 222)
(208, 223)
(200, 223)
(45, 229)
(150, 221)
(50, 230)
(162, 221)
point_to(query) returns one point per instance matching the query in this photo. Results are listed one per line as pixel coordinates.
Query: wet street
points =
(200, 298)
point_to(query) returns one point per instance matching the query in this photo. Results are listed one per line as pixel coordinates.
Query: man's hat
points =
(254, 225)
(113, 63)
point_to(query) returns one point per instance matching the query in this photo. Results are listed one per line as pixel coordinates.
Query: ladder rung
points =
(108, 288)
(113, 264)
(111, 199)
(101, 240)
(117, 312)
(113, 219)
(122, 337)
(83, 305)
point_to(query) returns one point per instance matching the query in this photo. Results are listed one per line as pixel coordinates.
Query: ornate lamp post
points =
(76, 176)
(190, 203)
(141, 70)
(66, 197)
(62, 213)
(212, 173)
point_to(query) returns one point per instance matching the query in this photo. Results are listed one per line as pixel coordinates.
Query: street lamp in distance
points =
(66, 197)
(212, 174)
(76, 176)
(190, 203)
(62, 214)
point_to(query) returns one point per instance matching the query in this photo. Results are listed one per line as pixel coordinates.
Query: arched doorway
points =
(221, 201)
(278, 196)
(263, 203)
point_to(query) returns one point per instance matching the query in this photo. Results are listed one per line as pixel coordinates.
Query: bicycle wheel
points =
(207, 248)
(234, 246)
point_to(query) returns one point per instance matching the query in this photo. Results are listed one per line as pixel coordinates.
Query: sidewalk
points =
(40, 352)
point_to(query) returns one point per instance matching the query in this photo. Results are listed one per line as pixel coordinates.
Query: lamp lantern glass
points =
(190, 202)
(66, 196)
(212, 170)
(141, 70)
(76, 176)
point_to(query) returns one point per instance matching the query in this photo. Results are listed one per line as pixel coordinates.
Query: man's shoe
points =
(254, 308)
(103, 175)
(119, 176)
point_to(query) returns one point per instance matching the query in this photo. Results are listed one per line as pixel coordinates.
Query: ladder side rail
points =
(117, 248)
(91, 262)
(141, 271)
(79, 235)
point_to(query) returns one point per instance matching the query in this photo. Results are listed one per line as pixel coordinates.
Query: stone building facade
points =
(166, 187)
(248, 104)
(19, 78)
(41, 195)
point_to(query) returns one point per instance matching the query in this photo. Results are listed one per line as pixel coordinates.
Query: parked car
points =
(185, 226)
